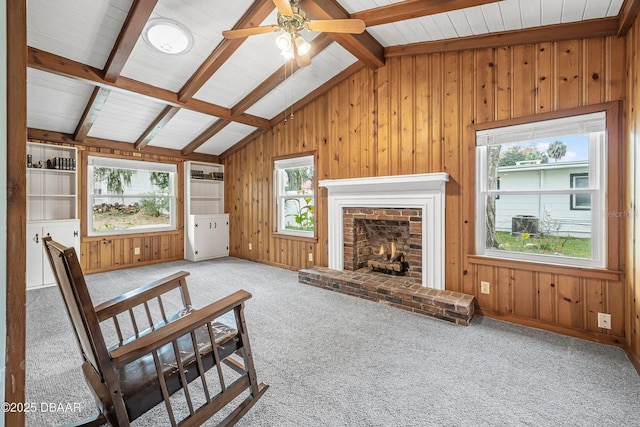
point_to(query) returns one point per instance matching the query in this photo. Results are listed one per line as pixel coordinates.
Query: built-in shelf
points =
(207, 226)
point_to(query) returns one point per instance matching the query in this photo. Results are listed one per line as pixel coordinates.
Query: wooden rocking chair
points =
(165, 352)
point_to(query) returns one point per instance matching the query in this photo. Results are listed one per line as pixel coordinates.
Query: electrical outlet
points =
(485, 287)
(136, 251)
(250, 246)
(604, 320)
(310, 257)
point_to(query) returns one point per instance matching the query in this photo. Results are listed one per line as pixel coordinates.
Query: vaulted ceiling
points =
(93, 80)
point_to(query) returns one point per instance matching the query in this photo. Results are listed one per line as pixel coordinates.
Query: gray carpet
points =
(335, 360)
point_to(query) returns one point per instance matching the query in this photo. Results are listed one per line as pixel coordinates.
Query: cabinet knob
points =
(75, 233)
(36, 239)
(196, 225)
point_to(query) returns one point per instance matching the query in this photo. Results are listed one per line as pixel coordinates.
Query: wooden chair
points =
(165, 352)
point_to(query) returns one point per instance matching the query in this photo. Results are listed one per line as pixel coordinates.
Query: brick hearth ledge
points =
(397, 291)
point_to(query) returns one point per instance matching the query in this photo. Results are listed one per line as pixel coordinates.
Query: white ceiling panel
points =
(530, 13)
(460, 24)
(184, 127)
(325, 65)
(358, 5)
(226, 138)
(551, 12)
(614, 8)
(76, 30)
(493, 17)
(124, 117)
(573, 10)
(55, 103)
(251, 64)
(205, 19)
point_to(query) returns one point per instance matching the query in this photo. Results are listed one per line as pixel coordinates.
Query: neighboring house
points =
(558, 214)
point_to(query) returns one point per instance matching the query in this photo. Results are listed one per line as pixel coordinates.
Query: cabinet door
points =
(203, 237)
(66, 233)
(35, 255)
(221, 236)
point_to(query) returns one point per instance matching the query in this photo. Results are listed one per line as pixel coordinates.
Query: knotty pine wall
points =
(414, 116)
(632, 199)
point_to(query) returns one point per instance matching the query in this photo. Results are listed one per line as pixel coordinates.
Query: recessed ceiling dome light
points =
(168, 36)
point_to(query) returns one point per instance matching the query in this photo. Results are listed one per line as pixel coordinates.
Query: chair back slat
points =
(68, 273)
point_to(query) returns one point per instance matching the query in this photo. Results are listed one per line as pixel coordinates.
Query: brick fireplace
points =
(408, 210)
(417, 201)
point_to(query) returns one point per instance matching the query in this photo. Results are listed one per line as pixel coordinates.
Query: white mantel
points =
(418, 191)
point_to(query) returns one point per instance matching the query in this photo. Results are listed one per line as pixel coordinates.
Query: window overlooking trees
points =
(128, 196)
(295, 183)
(526, 174)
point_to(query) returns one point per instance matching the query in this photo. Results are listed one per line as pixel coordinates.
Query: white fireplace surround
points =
(418, 191)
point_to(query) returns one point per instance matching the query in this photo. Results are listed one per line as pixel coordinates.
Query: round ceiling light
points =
(168, 36)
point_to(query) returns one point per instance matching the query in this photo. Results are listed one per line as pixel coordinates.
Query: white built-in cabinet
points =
(206, 224)
(52, 206)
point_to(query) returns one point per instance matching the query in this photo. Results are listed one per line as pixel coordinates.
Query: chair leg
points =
(98, 420)
(242, 409)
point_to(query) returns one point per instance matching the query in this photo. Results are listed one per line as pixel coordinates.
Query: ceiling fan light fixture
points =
(283, 41)
(302, 45)
(168, 36)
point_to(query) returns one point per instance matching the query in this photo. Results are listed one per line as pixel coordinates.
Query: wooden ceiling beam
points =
(51, 63)
(409, 9)
(317, 45)
(91, 112)
(205, 136)
(65, 138)
(574, 30)
(362, 46)
(160, 122)
(627, 15)
(257, 13)
(134, 24)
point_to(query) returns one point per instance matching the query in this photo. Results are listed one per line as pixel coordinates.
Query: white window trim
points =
(593, 122)
(112, 162)
(279, 198)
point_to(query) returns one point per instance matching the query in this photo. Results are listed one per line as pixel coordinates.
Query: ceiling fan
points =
(293, 20)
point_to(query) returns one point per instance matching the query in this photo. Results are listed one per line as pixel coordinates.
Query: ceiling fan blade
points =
(251, 31)
(284, 7)
(351, 26)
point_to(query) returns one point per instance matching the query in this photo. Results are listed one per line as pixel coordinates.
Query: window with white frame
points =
(130, 196)
(295, 206)
(525, 173)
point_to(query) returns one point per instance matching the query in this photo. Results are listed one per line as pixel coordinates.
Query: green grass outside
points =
(549, 245)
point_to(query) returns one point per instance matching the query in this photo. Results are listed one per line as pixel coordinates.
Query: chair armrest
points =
(124, 302)
(171, 331)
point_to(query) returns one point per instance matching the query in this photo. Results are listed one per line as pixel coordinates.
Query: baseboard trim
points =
(576, 333)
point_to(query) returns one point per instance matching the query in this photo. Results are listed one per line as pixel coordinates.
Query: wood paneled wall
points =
(413, 116)
(632, 282)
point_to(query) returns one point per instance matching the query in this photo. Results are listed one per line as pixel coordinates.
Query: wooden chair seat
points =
(165, 356)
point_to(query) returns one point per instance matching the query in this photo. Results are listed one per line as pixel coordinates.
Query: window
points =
(295, 183)
(580, 201)
(524, 174)
(130, 196)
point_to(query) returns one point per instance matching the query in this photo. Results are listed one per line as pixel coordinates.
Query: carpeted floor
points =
(334, 360)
